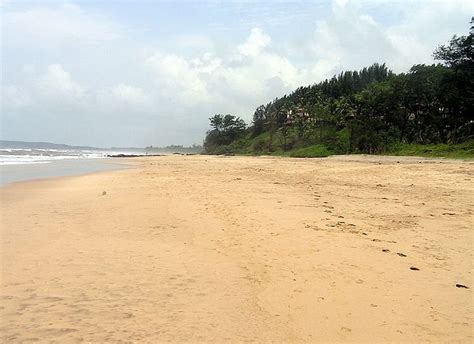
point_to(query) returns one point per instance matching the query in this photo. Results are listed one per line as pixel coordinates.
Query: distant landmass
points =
(4, 144)
(42, 145)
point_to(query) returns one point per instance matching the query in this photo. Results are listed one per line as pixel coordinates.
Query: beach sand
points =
(201, 248)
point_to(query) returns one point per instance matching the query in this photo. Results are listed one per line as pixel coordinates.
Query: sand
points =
(196, 248)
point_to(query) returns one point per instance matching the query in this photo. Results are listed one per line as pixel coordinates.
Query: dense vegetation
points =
(369, 111)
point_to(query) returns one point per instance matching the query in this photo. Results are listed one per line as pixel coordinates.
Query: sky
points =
(138, 73)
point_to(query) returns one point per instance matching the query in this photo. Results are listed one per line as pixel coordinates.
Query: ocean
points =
(21, 164)
(20, 156)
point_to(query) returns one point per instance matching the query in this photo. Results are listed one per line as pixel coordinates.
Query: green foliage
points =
(225, 130)
(343, 142)
(368, 111)
(316, 151)
(460, 51)
(259, 145)
(258, 120)
(460, 151)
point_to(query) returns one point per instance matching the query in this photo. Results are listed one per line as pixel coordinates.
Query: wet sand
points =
(56, 168)
(196, 248)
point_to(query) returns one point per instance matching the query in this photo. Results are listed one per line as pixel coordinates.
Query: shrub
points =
(316, 151)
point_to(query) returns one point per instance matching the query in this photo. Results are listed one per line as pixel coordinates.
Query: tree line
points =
(369, 111)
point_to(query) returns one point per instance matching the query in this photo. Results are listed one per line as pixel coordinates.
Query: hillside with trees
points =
(428, 109)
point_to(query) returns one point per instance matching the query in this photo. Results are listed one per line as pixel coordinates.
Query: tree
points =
(216, 122)
(258, 120)
(225, 130)
(458, 85)
(459, 53)
(370, 110)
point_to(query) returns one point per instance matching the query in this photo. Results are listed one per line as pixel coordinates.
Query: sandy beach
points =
(205, 248)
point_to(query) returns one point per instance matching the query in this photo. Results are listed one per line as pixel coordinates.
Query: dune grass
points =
(315, 151)
(460, 151)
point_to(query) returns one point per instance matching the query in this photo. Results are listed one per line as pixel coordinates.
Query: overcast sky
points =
(136, 73)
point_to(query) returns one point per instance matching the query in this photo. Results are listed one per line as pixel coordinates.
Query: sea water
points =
(28, 164)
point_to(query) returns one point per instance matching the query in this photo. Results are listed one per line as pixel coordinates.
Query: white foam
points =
(20, 159)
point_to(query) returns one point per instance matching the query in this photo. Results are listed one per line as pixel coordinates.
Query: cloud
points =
(194, 41)
(341, 3)
(72, 74)
(65, 23)
(255, 43)
(350, 38)
(236, 82)
(14, 97)
(426, 26)
(129, 94)
(118, 103)
(57, 83)
(175, 77)
(54, 89)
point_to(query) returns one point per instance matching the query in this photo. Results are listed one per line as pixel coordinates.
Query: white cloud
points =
(349, 40)
(65, 63)
(129, 94)
(14, 97)
(57, 83)
(120, 102)
(341, 3)
(194, 41)
(65, 23)
(28, 69)
(424, 28)
(255, 43)
(175, 77)
(234, 83)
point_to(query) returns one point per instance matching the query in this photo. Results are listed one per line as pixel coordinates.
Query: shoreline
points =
(208, 248)
(136, 161)
(17, 173)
